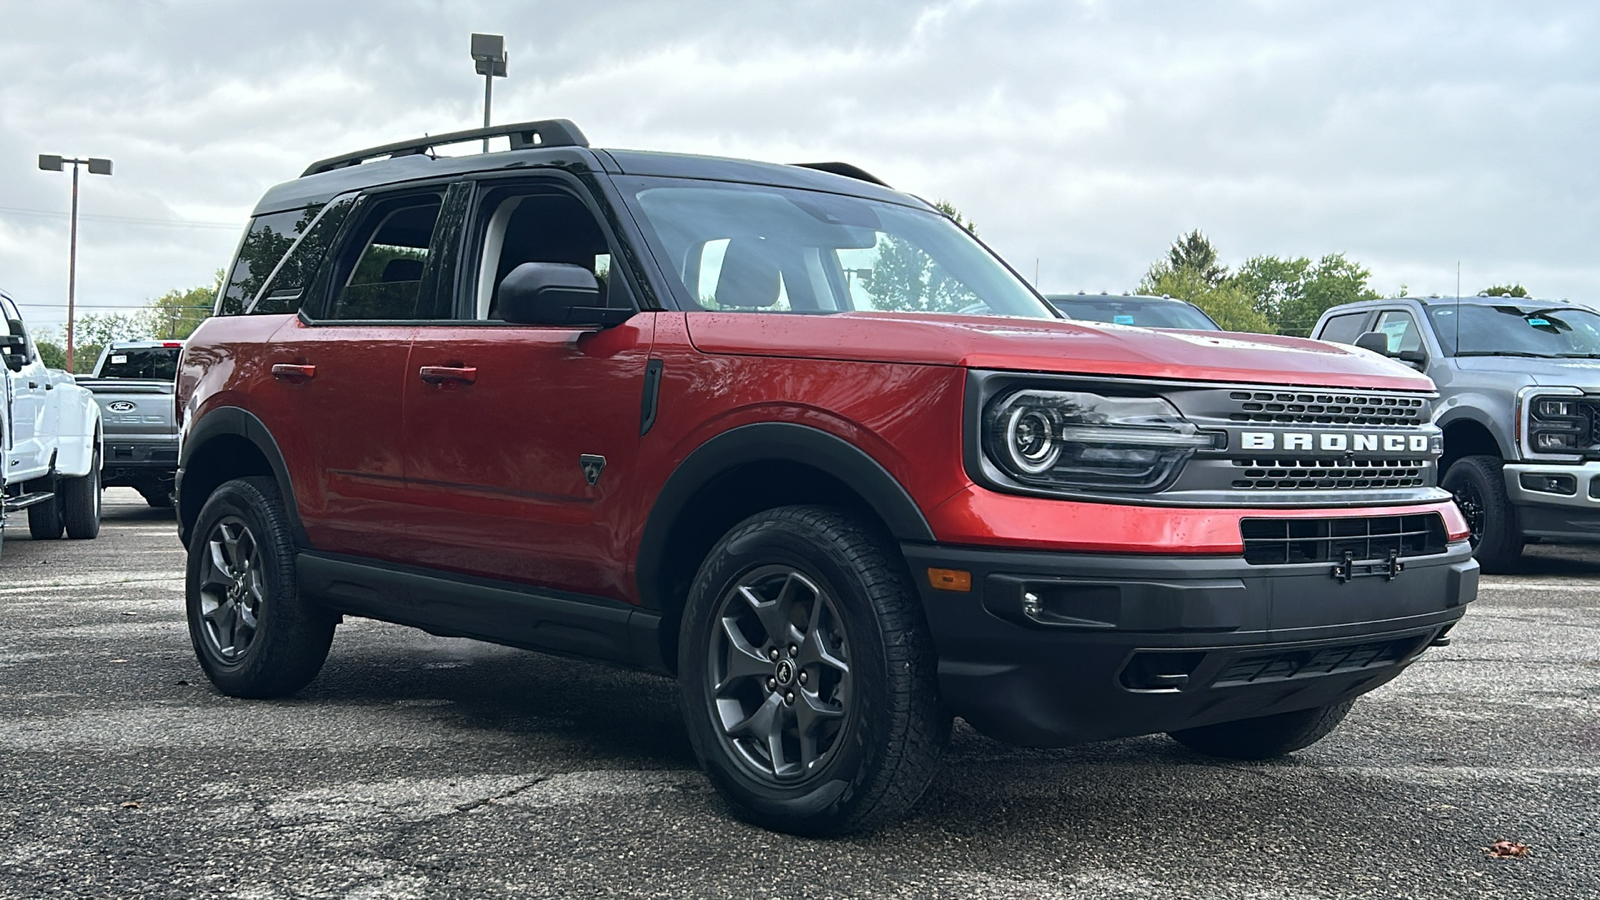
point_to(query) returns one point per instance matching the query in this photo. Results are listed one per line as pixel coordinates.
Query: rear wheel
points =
(808, 676)
(1478, 485)
(253, 633)
(44, 519)
(80, 503)
(1267, 736)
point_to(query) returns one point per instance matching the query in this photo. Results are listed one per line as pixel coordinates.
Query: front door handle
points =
(294, 374)
(447, 374)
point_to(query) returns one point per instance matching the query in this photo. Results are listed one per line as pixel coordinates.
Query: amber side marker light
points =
(950, 580)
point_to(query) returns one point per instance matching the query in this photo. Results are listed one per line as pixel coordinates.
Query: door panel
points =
(333, 399)
(497, 487)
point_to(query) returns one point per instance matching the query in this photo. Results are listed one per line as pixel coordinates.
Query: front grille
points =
(1279, 541)
(1365, 410)
(1282, 666)
(1329, 474)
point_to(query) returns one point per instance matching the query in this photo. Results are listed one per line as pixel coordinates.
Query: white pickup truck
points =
(50, 440)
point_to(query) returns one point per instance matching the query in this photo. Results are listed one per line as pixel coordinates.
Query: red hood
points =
(1037, 345)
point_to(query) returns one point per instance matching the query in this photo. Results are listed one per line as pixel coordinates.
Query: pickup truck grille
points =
(1315, 408)
(1328, 474)
(1285, 540)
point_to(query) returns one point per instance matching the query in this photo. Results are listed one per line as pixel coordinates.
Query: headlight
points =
(1558, 423)
(1076, 440)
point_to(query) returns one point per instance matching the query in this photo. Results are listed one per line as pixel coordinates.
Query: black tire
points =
(159, 496)
(853, 678)
(1479, 487)
(1267, 736)
(44, 519)
(253, 633)
(80, 503)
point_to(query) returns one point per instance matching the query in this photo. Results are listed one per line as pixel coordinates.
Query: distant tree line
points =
(172, 316)
(1267, 294)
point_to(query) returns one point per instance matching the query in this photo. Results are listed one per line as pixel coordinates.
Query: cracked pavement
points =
(417, 766)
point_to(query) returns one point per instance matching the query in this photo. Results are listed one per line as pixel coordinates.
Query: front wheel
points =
(807, 674)
(1478, 485)
(1267, 736)
(253, 633)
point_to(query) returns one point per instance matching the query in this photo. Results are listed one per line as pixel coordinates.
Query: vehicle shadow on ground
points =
(1570, 560)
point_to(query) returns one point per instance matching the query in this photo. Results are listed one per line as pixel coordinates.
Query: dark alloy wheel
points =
(779, 675)
(1478, 485)
(808, 676)
(252, 632)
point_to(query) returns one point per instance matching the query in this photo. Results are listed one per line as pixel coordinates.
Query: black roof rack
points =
(523, 135)
(845, 169)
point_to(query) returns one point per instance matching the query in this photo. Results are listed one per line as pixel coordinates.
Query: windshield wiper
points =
(1508, 353)
(1579, 355)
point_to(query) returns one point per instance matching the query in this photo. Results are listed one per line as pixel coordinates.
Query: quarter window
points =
(269, 238)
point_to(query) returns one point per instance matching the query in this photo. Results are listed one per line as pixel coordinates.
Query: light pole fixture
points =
(489, 53)
(51, 163)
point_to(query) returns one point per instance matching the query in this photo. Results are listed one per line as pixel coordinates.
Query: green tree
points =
(1226, 303)
(1504, 290)
(1194, 253)
(1293, 293)
(172, 316)
(903, 277)
(177, 313)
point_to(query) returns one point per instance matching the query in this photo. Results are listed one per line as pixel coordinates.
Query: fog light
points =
(1549, 484)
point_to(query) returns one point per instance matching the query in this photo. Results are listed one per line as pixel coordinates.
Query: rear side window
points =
(152, 363)
(269, 238)
(293, 278)
(1343, 329)
(380, 271)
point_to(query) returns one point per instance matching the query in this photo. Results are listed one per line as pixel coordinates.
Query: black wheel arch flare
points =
(771, 442)
(237, 422)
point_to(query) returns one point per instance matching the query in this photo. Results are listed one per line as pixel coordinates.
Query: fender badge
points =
(592, 467)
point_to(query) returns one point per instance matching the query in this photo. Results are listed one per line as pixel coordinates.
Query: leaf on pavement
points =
(1506, 849)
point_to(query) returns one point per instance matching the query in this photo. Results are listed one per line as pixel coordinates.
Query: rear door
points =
(338, 369)
(521, 441)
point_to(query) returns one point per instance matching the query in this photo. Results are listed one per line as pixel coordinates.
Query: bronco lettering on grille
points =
(1334, 442)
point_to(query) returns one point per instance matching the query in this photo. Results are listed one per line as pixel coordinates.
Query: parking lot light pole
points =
(489, 53)
(97, 166)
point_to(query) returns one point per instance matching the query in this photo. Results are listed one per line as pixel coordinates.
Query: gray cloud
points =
(1084, 135)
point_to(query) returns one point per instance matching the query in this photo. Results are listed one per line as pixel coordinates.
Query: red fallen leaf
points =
(1506, 849)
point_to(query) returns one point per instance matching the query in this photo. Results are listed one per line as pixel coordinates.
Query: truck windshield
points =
(147, 363)
(756, 248)
(1474, 329)
(1134, 311)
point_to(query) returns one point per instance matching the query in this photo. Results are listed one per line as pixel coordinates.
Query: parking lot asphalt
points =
(417, 766)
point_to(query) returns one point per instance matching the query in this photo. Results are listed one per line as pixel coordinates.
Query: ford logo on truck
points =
(1335, 442)
(120, 406)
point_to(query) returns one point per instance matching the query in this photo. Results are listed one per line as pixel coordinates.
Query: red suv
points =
(801, 442)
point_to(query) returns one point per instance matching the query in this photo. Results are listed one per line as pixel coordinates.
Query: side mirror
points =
(1417, 358)
(555, 294)
(14, 350)
(1376, 341)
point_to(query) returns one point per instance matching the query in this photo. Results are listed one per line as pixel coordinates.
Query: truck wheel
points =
(253, 633)
(44, 519)
(80, 503)
(1267, 736)
(1479, 487)
(807, 675)
(157, 495)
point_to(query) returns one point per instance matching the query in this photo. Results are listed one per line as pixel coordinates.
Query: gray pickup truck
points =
(133, 381)
(1519, 403)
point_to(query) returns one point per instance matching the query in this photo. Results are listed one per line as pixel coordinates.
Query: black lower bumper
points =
(151, 464)
(1050, 649)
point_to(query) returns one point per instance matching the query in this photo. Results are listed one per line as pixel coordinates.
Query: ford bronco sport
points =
(801, 442)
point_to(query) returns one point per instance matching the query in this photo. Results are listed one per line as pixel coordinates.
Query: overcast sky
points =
(1081, 137)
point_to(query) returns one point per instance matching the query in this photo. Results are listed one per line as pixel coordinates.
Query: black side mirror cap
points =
(555, 294)
(1376, 341)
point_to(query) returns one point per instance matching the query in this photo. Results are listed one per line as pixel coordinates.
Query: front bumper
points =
(1556, 501)
(1126, 645)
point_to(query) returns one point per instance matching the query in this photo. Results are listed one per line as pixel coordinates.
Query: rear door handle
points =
(446, 374)
(294, 374)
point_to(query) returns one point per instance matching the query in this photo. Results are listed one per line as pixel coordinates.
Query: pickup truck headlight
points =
(1078, 440)
(1558, 425)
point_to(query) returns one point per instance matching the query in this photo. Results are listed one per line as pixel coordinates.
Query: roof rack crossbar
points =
(523, 135)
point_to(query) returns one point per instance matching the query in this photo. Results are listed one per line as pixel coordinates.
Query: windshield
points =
(1562, 332)
(1130, 311)
(755, 248)
(150, 363)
